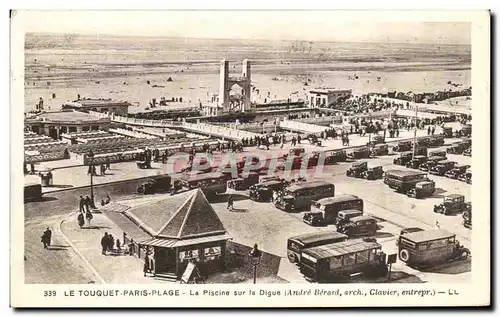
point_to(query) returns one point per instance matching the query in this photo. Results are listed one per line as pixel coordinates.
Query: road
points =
(258, 223)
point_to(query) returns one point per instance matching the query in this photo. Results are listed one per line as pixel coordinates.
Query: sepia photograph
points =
(288, 152)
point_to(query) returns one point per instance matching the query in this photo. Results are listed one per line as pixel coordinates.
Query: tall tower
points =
(224, 87)
(226, 82)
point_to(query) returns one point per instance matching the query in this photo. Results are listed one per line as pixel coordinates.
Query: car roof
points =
(363, 148)
(446, 162)
(453, 196)
(462, 166)
(337, 199)
(312, 184)
(412, 229)
(340, 248)
(404, 172)
(436, 158)
(419, 156)
(428, 235)
(359, 163)
(270, 182)
(381, 145)
(360, 218)
(317, 236)
(350, 211)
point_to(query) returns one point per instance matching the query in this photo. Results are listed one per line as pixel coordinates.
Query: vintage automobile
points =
(467, 216)
(32, 191)
(313, 218)
(330, 207)
(296, 244)
(144, 164)
(441, 153)
(468, 152)
(442, 167)
(448, 132)
(264, 191)
(416, 161)
(403, 158)
(467, 142)
(360, 153)
(340, 261)
(430, 247)
(402, 146)
(299, 196)
(431, 162)
(456, 171)
(406, 231)
(357, 169)
(344, 216)
(452, 204)
(243, 183)
(466, 177)
(296, 151)
(335, 156)
(374, 172)
(359, 226)
(404, 180)
(457, 147)
(423, 141)
(436, 140)
(422, 189)
(380, 149)
(376, 139)
(160, 184)
(264, 179)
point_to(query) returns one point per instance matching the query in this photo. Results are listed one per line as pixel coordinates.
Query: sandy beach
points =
(279, 69)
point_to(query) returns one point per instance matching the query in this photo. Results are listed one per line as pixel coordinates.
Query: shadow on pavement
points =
(96, 227)
(456, 267)
(239, 210)
(382, 234)
(61, 186)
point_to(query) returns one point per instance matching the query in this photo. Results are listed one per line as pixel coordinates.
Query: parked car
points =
(335, 156)
(374, 172)
(442, 167)
(457, 148)
(448, 132)
(264, 191)
(468, 152)
(441, 153)
(357, 169)
(376, 139)
(466, 177)
(452, 204)
(380, 149)
(152, 186)
(404, 180)
(402, 146)
(313, 218)
(416, 161)
(360, 153)
(457, 171)
(423, 141)
(436, 140)
(32, 192)
(431, 162)
(344, 216)
(403, 158)
(422, 189)
(359, 226)
(467, 216)
(296, 151)
(243, 183)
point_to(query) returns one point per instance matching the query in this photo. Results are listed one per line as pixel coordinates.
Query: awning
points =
(128, 226)
(174, 243)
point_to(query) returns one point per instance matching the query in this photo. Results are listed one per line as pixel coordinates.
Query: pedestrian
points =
(45, 240)
(131, 247)
(145, 267)
(81, 220)
(108, 164)
(118, 246)
(111, 242)
(104, 243)
(87, 203)
(48, 232)
(89, 217)
(230, 202)
(82, 204)
(437, 225)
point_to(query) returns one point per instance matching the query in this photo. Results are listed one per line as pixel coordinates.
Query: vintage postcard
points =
(250, 158)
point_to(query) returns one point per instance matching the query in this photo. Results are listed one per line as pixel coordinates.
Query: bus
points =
(331, 206)
(211, 184)
(343, 260)
(299, 196)
(296, 244)
(404, 180)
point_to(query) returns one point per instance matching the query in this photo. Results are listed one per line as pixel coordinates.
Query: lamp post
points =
(415, 133)
(90, 156)
(255, 257)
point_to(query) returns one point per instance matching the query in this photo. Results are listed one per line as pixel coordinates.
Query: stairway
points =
(171, 277)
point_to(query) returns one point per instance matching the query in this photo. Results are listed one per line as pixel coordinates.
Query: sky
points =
(340, 26)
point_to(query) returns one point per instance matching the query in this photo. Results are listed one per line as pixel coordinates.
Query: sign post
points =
(188, 274)
(390, 260)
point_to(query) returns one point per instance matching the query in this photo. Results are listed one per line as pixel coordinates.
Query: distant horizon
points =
(240, 38)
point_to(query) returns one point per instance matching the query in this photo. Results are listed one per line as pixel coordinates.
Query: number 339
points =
(49, 293)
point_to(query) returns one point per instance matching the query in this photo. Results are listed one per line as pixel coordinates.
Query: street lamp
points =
(90, 156)
(255, 257)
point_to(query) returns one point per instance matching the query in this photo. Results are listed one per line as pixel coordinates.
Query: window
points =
(212, 253)
(72, 129)
(371, 254)
(189, 255)
(349, 259)
(363, 256)
(335, 262)
(85, 128)
(293, 246)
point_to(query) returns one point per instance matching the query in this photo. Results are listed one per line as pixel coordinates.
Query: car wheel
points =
(292, 258)
(404, 255)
